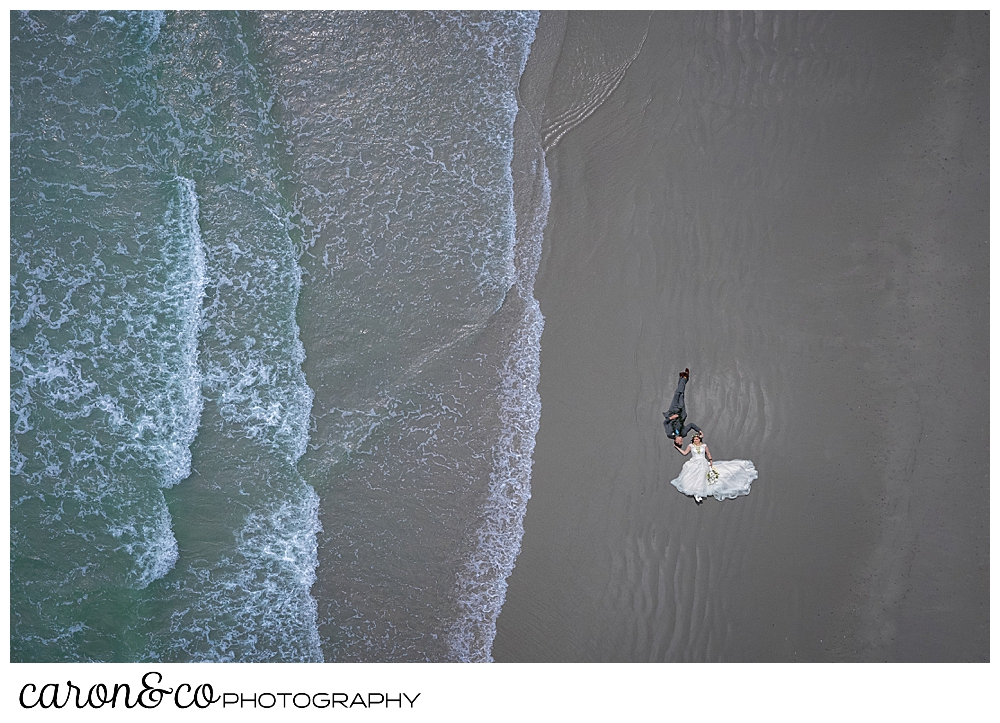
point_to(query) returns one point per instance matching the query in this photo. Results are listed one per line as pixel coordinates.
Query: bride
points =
(700, 477)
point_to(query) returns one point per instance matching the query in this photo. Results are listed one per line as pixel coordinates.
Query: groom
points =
(675, 415)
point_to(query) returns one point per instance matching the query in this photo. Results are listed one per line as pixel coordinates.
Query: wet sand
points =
(795, 206)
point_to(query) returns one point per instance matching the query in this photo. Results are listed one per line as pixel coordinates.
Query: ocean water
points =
(274, 349)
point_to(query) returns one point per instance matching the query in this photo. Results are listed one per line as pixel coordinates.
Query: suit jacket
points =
(674, 426)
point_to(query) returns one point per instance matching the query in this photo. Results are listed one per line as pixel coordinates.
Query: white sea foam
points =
(151, 21)
(150, 541)
(482, 585)
(175, 414)
(254, 605)
(187, 277)
(280, 546)
(263, 586)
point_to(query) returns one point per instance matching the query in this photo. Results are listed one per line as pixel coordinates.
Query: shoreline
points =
(513, 334)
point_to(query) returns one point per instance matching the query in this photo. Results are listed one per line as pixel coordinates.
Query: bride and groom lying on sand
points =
(701, 476)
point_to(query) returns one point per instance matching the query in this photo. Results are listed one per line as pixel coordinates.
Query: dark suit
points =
(675, 427)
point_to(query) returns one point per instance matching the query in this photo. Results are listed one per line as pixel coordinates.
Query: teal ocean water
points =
(274, 352)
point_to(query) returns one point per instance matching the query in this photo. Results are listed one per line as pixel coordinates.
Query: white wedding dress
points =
(735, 477)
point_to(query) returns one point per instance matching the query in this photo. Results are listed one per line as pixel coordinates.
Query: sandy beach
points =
(796, 207)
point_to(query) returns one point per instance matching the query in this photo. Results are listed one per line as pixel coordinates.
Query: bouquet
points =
(713, 475)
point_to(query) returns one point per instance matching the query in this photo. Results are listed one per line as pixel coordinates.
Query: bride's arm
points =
(708, 455)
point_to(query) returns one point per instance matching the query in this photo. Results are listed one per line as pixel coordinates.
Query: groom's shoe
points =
(684, 374)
